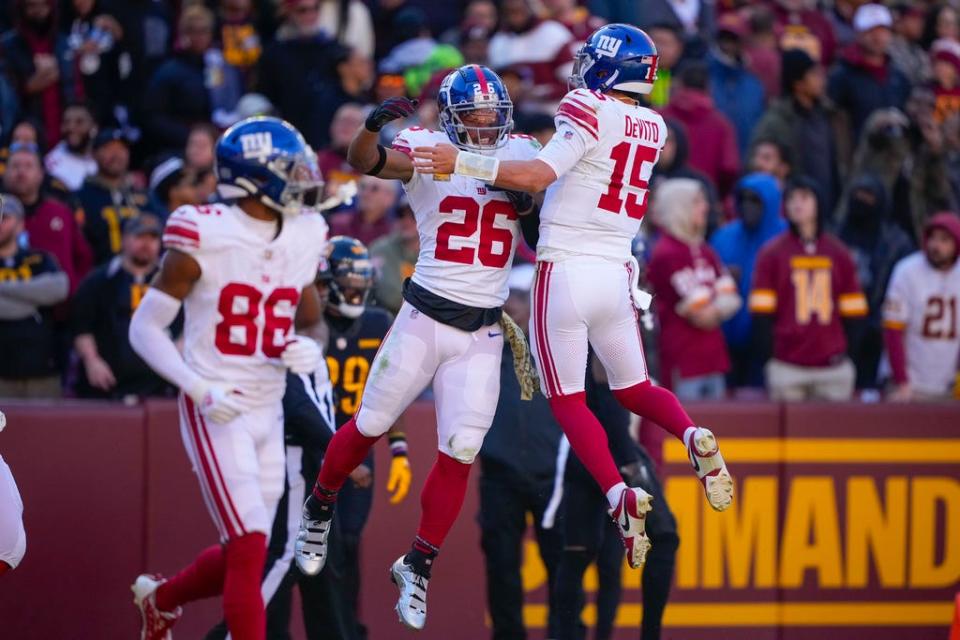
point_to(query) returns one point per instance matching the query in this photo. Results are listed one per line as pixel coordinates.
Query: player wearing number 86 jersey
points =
(595, 171)
(244, 271)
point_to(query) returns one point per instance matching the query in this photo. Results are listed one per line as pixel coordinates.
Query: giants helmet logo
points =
(257, 145)
(608, 46)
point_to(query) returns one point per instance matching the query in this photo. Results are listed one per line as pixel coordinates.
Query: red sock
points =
(587, 438)
(442, 498)
(202, 579)
(346, 451)
(656, 404)
(242, 602)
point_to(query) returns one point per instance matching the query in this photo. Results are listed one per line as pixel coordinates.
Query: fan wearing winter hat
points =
(945, 58)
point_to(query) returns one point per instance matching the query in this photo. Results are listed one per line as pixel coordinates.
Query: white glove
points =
(218, 401)
(301, 355)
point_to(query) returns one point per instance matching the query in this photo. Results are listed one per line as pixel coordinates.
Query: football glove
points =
(391, 109)
(301, 355)
(219, 402)
(400, 476)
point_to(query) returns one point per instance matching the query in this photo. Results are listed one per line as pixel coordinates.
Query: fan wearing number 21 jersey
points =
(595, 170)
(244, 272)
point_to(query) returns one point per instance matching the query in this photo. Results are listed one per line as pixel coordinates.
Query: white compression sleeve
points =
(149, 338)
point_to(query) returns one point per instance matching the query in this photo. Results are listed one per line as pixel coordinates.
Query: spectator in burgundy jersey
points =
(332, 161)
(37, 57)
(376, 200)
(544, 46)
(50, 225)
(715, 152)
(945, 57)
(693, 292)
(801, 23)
(805, 299)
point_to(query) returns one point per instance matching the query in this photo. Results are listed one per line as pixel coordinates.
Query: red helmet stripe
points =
(482, 79)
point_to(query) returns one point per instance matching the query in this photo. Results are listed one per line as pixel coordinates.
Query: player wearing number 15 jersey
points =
(595, 170)
(244, 272)
(450, 329)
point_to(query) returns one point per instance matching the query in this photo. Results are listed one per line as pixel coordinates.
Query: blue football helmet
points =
(469, 88)
(348, 273)
(267, 158)
(616, 56)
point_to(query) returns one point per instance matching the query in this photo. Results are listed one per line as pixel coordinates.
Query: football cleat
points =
(412, 603)
(630, 514)
(711, 469)
(310, 549)
(156, 623)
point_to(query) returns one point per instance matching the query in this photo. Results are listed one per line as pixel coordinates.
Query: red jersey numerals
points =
(494, 243)
(634, 204)
(940, 318)
(240, 306)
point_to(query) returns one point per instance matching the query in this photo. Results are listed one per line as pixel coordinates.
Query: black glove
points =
(391, 109)
(521, 200)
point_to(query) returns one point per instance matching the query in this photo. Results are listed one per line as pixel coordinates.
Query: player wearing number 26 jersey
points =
(595, 171)
(450, 329)
(244, 272)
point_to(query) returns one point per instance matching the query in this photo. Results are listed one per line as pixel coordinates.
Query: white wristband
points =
(475, 165)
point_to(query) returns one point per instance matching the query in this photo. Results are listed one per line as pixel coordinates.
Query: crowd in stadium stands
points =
(814, 146)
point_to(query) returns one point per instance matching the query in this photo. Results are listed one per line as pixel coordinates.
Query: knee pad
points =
(464, 445)
(372, 423)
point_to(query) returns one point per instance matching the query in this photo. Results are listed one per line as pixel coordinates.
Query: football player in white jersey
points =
(920, 315)
(595, 170)
(243, 271)
(449, 329)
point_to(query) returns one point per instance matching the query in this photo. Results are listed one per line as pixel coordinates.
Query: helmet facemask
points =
(304, 184)
(350, 287)
(457, 122)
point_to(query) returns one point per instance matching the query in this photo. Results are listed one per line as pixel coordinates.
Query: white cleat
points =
(156, 623)
(310, 549)
(711, 469)
(630, 514)
(412, 604)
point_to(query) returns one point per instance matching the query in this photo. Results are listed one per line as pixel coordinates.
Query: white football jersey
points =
(603, 154)
(468, 231)
(239, 314)
(924, 303)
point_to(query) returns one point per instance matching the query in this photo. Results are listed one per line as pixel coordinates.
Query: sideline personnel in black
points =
(517, 464)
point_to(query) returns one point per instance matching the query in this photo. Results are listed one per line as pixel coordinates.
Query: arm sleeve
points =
(763, 291)
(897, 354)
(84, 306)
(850, 299)
(149, 338)
(530, 227)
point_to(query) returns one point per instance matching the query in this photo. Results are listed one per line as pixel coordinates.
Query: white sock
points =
(613, 494)
(687, 435)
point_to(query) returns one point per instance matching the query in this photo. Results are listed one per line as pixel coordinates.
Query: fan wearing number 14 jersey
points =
(244, 272)
(595, 171)
(450, 329)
